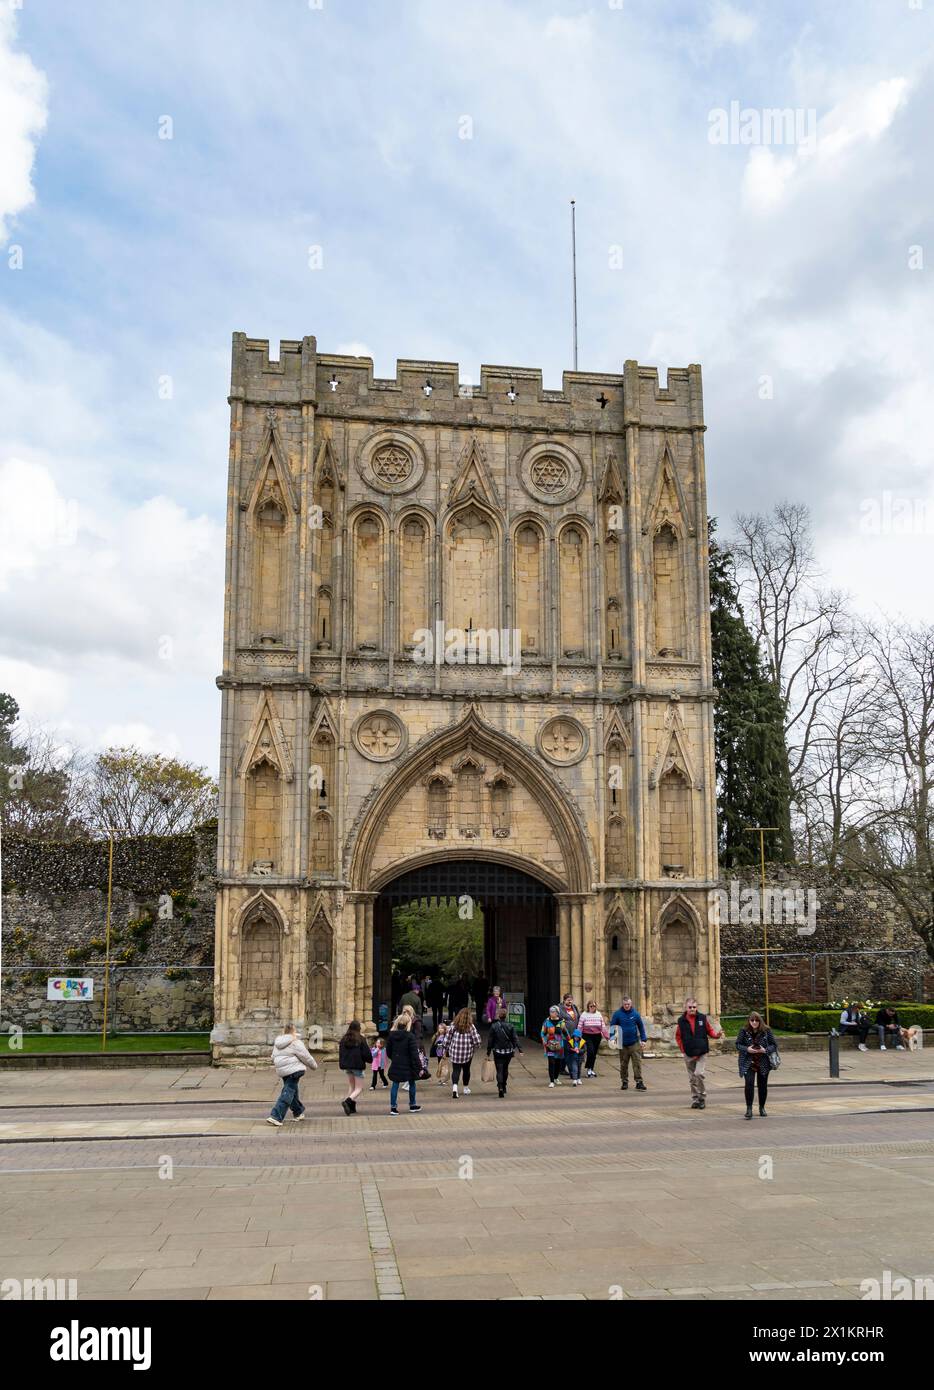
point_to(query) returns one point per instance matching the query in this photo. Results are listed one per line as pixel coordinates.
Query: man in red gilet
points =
(693, 1035)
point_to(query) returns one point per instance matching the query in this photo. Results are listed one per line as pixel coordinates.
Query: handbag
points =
(423, 1072)
(775, 1060)
(488, 1070)
(612, 1040)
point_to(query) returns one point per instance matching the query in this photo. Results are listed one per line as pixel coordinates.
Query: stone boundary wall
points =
(860, 944)
(162, 932)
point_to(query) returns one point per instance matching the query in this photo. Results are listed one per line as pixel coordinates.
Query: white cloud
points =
(729, 25)
(23, 115)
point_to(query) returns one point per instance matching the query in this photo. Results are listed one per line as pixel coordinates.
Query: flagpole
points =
(574, 272)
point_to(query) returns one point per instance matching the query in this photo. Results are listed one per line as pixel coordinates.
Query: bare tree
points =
(893, 846)
(809, 643)
(40, 780)
(139, 793)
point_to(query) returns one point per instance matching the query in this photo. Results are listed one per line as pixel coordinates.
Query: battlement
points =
(428, 390)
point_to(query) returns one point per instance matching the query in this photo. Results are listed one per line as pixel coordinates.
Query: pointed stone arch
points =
(471, 733)
(473, 478)
(667, 503)
(261, 927)
(676, 941)
(621, 954)
(473, 547)
(530, 584)
(673, 751)
(266, 741)
(271, 455)
(319, 991)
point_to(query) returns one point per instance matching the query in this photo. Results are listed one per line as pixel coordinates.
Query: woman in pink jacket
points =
(493, 1005)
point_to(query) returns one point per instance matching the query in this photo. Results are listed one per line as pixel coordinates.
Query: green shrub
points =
(813, 1018)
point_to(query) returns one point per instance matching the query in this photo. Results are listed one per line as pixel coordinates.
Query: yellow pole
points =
(761, 831)
(110, 875)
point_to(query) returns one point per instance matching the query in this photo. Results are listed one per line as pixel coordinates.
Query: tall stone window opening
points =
(263, 818)
(675, 830)
(572, 560)
(320, 972)
(468, 791)
(529, 589)
(368, 584)
(669, 593)
(617, 849)
(324, 638)
(437, 808)
(613, 588)
(473, 573)
(501, 807)
(414, 607)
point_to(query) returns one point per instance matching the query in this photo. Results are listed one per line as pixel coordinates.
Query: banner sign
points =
(70, 987)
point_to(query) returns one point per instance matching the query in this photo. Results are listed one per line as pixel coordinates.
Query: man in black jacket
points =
(503, 1044)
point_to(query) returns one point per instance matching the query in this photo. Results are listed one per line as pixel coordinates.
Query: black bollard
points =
(834, 1042)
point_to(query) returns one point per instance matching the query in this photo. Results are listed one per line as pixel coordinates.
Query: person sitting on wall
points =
(854, 1023)
(889, 1029)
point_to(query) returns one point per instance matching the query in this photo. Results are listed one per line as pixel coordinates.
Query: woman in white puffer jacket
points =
(291, 1059)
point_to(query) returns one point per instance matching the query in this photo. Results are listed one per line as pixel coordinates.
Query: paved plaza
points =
(575, 1193)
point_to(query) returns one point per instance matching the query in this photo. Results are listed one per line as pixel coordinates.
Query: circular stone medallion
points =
(551, 473)
(562, 740)
(380, 736)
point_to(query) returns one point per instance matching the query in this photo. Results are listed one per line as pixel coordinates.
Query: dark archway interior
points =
(520, 936)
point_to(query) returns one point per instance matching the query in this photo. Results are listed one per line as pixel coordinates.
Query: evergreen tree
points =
(753, 785)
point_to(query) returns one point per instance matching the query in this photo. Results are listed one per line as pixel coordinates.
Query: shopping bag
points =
(488, 1070)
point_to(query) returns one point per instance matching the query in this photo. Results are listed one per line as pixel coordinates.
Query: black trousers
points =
(758, 1080)
(592, 1044)
(382, 1076)
(860, 1030)
(459, 1069)
(501, 1062)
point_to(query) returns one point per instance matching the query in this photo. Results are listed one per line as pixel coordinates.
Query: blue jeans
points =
(288, 1097)
(394, 1094)
(574, 1065)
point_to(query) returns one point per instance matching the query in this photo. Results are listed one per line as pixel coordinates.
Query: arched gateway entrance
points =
(520, 935)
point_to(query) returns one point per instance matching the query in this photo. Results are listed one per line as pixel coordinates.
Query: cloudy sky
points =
(430, 150)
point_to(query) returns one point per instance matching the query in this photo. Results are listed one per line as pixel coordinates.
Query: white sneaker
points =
(551, 1085)
(899, 1048)
(466, 1090)
(271, 1121)
(863, 1047)
(454, 1093)
(883, 1048)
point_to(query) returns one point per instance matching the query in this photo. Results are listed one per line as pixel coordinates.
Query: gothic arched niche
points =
(678, 962)
(472, 579)
(529, 588)
(269, 560)
(675, 825)
(414, 587)
(668, 584)
(319, 1004)
(572, 567)
(368, 583)
(260, 964)
(263, 817)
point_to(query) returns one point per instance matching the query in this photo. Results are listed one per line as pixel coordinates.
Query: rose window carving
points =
(392, 464)
(550, 474)
(380, 736)
(562, 741)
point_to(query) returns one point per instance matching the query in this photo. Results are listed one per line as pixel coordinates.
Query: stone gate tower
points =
(467, 643)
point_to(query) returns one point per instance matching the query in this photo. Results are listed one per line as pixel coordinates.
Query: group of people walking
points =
(569, 1036)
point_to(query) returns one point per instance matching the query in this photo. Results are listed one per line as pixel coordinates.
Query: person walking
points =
(554, 1037)
(593, 1028)
(574, 1052)
(757, 1047)
(693, 1034)
(437, 1048)
(504, 1044)
(458, 996)
(493, 1005)
(291, 1059)
(854, 1023)
(413, 999)
(630, 1035)
(460, 1043)
(402, 1051)
(354, 1056)
(379, 1062)
(435, 997)
(570, 1014)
